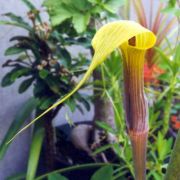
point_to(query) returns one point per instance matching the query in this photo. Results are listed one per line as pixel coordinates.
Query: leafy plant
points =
(46, 65)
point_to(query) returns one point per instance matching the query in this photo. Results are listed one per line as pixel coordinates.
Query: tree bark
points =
(49, 139)
(49, 142)
(103, 108)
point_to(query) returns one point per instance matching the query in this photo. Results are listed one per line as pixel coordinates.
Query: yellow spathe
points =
(109, 37)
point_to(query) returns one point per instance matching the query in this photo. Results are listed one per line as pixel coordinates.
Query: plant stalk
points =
(49, 140)
(139, 145)
(49, 143)
(136, 107)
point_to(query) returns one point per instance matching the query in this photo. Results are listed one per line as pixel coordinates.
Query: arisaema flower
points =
(132, 40)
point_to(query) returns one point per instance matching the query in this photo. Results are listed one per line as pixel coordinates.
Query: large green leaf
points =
(61, 10)
(17, 123)
(105, 173)
(80, 21)
(58, 11)
(35, 150)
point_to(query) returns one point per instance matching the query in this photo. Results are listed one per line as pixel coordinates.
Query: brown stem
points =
(139, 145)
(136, 107)
(49, 142)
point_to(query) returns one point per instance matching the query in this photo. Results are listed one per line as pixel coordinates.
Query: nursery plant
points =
(42, 58)
(45, 64)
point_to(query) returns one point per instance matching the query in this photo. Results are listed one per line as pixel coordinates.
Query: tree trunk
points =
(49, 142)
(103, 108)
(49, 139)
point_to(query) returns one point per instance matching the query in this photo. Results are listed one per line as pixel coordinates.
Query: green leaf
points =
(128, 152)
(46, 102)
(113, 5)
(14, 50)
(13, 17)
(165, 59)
(25, 85)
(172, 3)
(80, 22)
(163, 146)
(61, 10)
(82, 5)
(65, 56)
(71, 104)
(16, 21)
(43, 73)
(20, 72)
(101, 149)
(17, 123)
(176, 62)
(56, 176)
(29, 4)
(53, 84)
(105, 173)
(7, 81)
(105, 126)
(30, 43)
(172, 10)
(35, 150)
(58, 12)
(10, 77)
